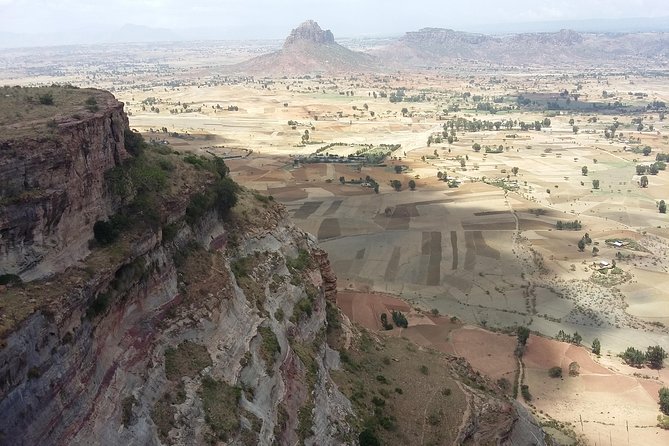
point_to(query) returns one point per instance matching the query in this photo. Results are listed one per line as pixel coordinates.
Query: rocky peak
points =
(311, 32)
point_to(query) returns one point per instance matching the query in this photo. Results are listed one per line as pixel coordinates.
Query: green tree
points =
(398, 169)
(664, 400)
(655, 356)
(596, 346)
(646, 151)
(595, 184)
(576, 338)
(574, 129)
(641, 169)
(396, 184)
(581, 245)
(477, 147)
(412, 185)
(514, 170)
(584, 170)
(644, 181)
(662, 207)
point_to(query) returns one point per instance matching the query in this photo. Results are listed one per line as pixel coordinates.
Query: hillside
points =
(308, 50)
(196, 314)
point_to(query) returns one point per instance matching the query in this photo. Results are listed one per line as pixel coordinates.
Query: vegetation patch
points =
(188, 359)
(221, 407)
(269, 347)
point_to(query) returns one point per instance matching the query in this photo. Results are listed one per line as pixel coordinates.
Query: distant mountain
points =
(431, 47)
(94, 35)
(308, 50)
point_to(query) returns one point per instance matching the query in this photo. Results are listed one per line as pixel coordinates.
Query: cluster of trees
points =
(652, 169)
(399, 319)
(573, 339)
(654, 357)
(477, 125)
(570, 225)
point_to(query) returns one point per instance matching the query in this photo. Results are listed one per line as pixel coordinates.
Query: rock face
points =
(311, 32)
(53, 188)
(308, 50)
(66, 374)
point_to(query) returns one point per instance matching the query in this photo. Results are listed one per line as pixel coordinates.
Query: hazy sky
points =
(274, 18)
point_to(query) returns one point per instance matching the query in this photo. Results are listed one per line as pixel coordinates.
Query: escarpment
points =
(196, 314)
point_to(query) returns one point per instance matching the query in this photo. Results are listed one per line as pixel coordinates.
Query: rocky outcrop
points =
(311, 32)
(308, 50)
(52, 189)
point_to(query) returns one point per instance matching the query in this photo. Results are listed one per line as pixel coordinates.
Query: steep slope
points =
(308, 50)
(436, 47)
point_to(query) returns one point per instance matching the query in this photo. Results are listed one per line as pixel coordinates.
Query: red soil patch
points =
(487, 352)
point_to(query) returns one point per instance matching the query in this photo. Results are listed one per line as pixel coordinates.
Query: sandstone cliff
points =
(52, 186)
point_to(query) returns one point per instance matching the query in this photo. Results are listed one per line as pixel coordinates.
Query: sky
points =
(267, 19)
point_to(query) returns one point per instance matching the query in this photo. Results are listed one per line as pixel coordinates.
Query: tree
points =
(576, 338)
(342, 180)
(398, 169)
(555, 372)
(646, 151)
(477, 147)
(522, 335)
(653, 170)
(412, 185)
(641, 169)
(655, 356)
(440, 175)
(574, 129)
(662, 207)
(644, 181)
(45, 99)
(574, 369)
(396, 184)
(514, 171)
(596, 346)
(581, 245)
(462, 163)
(664, 400)
(595, 184)
(584, 170)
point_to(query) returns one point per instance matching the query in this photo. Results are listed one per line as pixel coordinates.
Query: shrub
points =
(92, 104)
(555, 372)
(104, 232)
(525, 392)
(45, 99)
(368, 438)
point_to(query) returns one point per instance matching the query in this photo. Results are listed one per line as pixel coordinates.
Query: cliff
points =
(52, 182)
